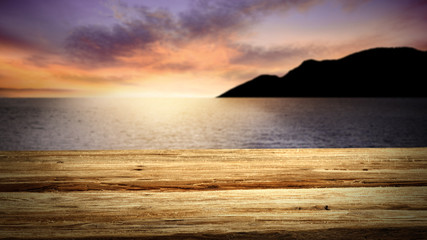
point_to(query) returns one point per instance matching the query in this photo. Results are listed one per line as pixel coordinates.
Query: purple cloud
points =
(99, 46)
(11, 39)
(96, 44)
(216, 18)
(250, 55)
(206, 18)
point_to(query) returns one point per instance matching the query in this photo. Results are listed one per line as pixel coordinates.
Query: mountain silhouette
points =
(378, 72)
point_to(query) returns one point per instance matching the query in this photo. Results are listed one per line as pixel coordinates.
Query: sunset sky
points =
(185, 48)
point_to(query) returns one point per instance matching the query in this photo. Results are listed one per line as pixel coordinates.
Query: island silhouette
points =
(377, 72)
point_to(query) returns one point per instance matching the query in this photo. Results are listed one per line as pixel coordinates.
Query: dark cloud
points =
(254, 7)
(216, 18)
(210, 18)
(103, 46)
(12, 40)
(96, 44)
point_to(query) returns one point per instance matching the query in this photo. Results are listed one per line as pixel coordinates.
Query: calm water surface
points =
(88, 124)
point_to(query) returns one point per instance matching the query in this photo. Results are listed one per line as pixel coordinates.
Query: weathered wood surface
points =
(210, 194)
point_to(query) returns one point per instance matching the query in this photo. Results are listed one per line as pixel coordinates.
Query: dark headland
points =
(378, 72)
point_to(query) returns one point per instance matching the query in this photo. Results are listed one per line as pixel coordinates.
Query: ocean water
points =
(100, 124)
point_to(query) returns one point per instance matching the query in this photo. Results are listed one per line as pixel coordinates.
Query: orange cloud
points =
(202, 51)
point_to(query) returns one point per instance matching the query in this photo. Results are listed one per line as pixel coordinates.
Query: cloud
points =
(147, 31)
(222, 17)
(10, 40)
(174, 66)
(252, 55)
(100, 45)
(412, 14)
(255, 7)
(207, 19)
(351, 5)
(42, 59)
(17, 92)
(90, 78)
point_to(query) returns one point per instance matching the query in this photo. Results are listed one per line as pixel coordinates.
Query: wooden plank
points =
(198, 194)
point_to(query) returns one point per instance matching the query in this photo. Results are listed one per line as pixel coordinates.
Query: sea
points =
(211, 123)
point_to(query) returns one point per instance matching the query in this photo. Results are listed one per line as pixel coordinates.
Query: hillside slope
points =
(379, 72)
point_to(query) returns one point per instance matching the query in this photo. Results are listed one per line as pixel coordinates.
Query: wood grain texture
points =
(215, 194)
